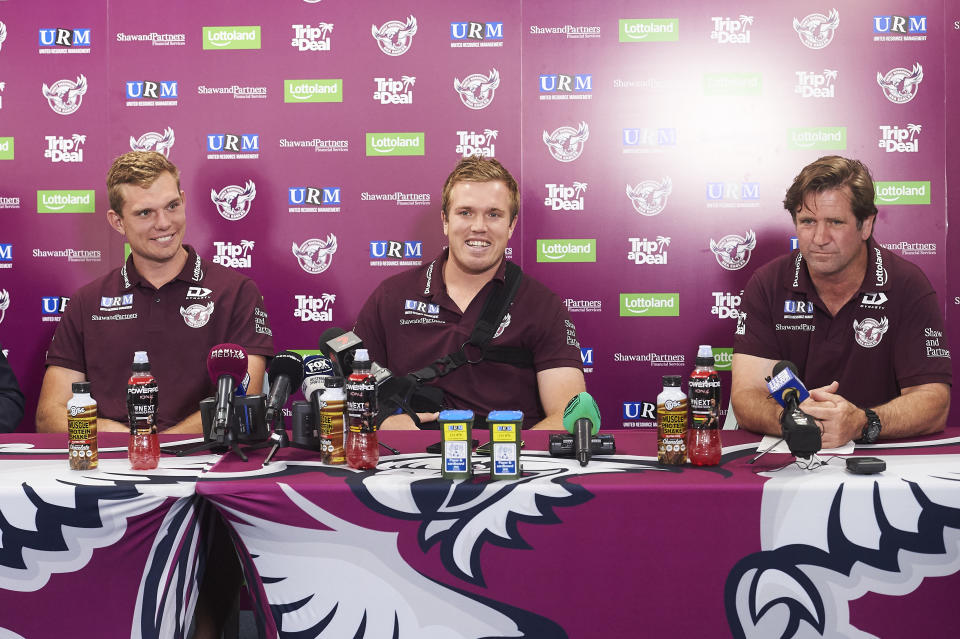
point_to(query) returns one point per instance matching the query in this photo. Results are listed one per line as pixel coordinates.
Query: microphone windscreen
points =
(227, 359)
(317, 365)
(327, 335)
(289, 364)
(582, 406)
(784, 363)
(312, 384)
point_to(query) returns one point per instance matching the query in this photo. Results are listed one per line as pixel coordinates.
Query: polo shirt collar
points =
(797, 277)
(192, 270)
(433, 282)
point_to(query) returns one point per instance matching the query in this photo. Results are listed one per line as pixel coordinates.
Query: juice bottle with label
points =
(671, 422)
(82, 428)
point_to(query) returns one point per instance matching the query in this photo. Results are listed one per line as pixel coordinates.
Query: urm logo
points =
(151, 90)
(64, 37)
(476, 31)
(311, 195)
(244, 143)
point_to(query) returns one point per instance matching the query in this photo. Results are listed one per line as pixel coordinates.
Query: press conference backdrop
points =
(653, 144)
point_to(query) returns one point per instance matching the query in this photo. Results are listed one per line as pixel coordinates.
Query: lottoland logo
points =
(584, 250)
(723, 358)
(6, 148)
(746, 83)
(902, 192)
(380, 144)
(66, 202)
(649, 304)
(223, 38)
(313, 90)
(820, 137)
(650, 30)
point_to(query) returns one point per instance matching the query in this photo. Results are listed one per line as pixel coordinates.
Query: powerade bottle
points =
(703, 438)
(671, 422)
(144, 447)
(363, 450)
(82, 428)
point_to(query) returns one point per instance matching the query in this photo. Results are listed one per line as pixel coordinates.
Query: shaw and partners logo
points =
(899, 28)
(395, 37)
(572, 32)
(313, 90)
(151, 93)
(383, 144)
(154, 38)
(71, 255)
(648, 140)
(571, 250)
(65, 96)
(900, 85)
(561, 86)
(233, 146)
(154, 141)
(902, 192)
(811, 84)
(472, 143)
(583, 306)
(476, 34)
(729, 31)
(60, 40)
(313, 199)
(390, 91)
(234, 255)
(650, 30)
(649, 304)
(650, 197)
(398, 197)
(393, 253)
(71, 201)
(236, 91)
(477, 90)
(733, 84)
(314, 309)
(230, 38)
(565, 143)
(733, 195)
(311, 38)
(818, 137)
(565, 198)
(894, 139)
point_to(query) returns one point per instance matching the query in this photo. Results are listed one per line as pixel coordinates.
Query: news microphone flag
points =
(785, 382)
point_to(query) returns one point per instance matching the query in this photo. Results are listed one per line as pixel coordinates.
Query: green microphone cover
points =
(582, 406)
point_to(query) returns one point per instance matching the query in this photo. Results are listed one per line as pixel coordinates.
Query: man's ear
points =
(116, 221)
(443, 218)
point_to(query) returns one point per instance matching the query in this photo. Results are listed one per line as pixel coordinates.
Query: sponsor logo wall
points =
(313, 140)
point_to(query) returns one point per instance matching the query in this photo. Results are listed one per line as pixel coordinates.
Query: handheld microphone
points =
(799, 429)
(317, 369)
(581, 418)
(285, 375)
(227, 366)
(340, 345)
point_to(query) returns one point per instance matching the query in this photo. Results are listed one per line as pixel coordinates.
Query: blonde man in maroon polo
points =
(165, 300)
(415, 317)
(862, 324)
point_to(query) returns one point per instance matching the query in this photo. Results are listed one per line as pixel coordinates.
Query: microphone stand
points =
(774, 445)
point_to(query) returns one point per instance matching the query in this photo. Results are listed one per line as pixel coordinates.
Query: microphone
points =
(227, 366)
(285, 375)
(340, 345)
(799, 429)
(317, 368)
(581, 418)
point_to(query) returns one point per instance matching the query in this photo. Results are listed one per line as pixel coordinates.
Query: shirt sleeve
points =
(921, 353)
(755, 333)
(67, 347)
(11, 399)
(249, 324)
(557, 345)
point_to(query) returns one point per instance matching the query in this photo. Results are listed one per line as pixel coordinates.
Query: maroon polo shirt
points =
(409, 321)
(115, 315)
(889, 336)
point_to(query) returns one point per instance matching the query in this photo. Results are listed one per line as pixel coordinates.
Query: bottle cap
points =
(140, 357)
(80, 388)
(333, 382)
(705, 355)
(671, 381)
(361, 355)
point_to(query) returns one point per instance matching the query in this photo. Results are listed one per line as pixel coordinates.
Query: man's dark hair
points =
(834, 172)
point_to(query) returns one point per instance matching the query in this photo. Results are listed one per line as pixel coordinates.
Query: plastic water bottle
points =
(363, 450)
(703, 438)
(144, 447)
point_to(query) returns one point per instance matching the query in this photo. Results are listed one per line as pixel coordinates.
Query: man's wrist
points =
(871, 429)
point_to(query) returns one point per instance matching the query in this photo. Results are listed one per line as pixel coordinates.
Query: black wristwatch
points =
(871, 432)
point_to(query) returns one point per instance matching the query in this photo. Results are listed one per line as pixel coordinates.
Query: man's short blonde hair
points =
(480, 169)
(141, 168)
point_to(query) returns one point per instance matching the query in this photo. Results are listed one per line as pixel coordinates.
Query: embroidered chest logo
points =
(869, 332)
(503, 325)
(197, 315)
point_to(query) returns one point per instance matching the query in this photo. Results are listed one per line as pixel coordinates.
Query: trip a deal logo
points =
(224, 38)
(650, 30)
(69, 201)
(384, 144)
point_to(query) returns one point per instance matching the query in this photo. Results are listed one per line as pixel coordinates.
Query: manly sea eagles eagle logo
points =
(816, 30)
(3, 34)
(733, 251)
(153, 141)
(650, 197)
(64, 96)
(4, 303)
(476, 90)
(395, 37)
(197, 315)
(233, 202)
(869, 332)
(901, 85)
(316, 255)
(566, 144)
